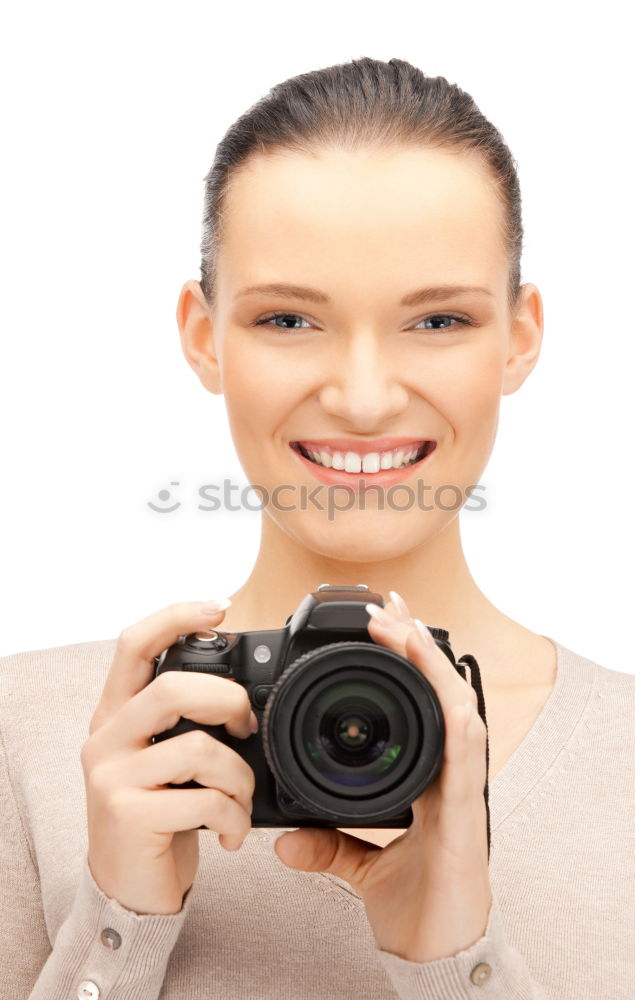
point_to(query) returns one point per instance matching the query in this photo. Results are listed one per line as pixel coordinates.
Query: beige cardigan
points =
(562, 868)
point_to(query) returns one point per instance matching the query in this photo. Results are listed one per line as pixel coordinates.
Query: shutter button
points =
(88, 991)
(110, 939)
(480, 973)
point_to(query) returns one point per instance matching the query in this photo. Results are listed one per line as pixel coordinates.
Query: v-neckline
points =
(553, 727)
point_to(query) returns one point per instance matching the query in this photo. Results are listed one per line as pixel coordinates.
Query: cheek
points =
(469, 397)
(259, 394)
(474, 385)
(243, 392)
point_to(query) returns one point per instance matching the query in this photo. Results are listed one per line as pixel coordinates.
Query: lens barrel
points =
(353, 731)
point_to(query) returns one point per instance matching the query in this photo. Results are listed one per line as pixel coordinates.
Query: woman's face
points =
(365, 229)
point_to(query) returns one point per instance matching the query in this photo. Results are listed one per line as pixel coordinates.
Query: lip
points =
(358, 445)
(357, 480)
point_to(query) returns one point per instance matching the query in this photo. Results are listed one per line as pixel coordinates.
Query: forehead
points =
(396, 215)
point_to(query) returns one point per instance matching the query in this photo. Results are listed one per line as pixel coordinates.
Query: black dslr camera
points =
(350, 732)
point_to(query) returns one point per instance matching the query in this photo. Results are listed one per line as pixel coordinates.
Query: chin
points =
(364, 536)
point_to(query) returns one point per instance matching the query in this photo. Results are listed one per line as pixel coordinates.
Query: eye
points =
(281, 315)
(458, 320)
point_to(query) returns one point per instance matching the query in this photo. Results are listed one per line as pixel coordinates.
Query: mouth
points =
(369, 458)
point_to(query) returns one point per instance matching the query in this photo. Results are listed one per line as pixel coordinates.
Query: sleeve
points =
(102, 951)
(490, 963)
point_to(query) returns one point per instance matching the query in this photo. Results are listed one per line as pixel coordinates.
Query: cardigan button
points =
(88, 991)
(480, 973)
(110, 939)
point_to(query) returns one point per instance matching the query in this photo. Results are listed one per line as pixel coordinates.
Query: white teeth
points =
(370, 463)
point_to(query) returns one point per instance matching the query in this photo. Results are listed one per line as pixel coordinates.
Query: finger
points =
(387, 629)
(415, 642)
(169, 810)
(461, 782)
(326, 850)
(137, 645)
(423, 652)
(190, 756)
(399, 607)
(464, 756)
(456, 776)
(204, 698)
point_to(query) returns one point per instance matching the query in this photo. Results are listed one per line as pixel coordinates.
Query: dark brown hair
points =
(362, 103)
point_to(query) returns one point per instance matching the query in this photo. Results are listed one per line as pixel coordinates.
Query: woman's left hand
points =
(427, 894)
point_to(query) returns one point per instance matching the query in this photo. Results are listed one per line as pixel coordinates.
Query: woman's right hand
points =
(143, 837)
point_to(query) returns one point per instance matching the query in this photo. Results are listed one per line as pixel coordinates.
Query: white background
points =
(111, 114)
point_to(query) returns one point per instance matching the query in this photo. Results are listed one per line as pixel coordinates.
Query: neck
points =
(433, 579)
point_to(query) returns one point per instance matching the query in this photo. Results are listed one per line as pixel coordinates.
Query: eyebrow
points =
(415, 298)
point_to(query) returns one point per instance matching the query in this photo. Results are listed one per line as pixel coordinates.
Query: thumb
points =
(325, 850)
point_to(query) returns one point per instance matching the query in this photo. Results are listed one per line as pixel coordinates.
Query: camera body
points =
(350, 732)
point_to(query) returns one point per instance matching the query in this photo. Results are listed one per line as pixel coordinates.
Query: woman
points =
(389, 207)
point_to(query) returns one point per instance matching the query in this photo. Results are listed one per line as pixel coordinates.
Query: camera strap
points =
(475, 678)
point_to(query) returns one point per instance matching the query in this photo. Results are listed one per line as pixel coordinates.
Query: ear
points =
(525, 339)
(197, 336)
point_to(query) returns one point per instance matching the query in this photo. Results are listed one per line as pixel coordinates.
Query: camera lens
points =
(353, 730)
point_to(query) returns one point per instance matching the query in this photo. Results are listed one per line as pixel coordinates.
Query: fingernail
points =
(400, 605)
(210, 607)
(253, 722)
(424, 632)
(380, 616)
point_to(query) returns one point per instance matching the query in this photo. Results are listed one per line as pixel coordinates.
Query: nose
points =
(362, 388)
